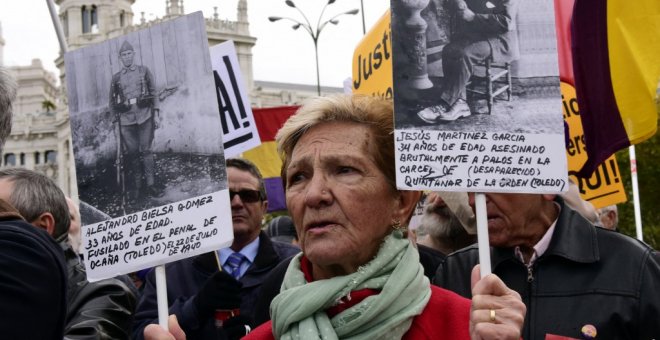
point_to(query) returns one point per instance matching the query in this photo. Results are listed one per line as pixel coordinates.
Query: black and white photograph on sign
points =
(144, 120)
(478, 73)
(239, 131)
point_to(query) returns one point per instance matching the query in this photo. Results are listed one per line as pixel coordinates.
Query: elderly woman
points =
(358, 276)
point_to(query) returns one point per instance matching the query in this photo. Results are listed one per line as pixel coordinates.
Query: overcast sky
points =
(281, 54)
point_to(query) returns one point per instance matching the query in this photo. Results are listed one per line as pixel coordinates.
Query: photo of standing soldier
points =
(144, 120)
(133, 105)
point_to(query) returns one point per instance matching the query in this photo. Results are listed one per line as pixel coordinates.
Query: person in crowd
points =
(102, 309)
(195, 286)
(33, 276)
(575, 279)
(358, 275)
(609, 217)
(481, 30)
(281, 229)
(441, 232)
(428, 257)
(139, 277)
(74, 227)
(441, 229)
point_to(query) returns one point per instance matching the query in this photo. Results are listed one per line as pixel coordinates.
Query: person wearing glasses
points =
(213, 304)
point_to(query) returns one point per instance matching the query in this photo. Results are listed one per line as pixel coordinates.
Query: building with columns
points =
(41, 135)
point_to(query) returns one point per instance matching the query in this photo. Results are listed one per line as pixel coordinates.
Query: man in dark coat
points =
(32, 270)
(213, 304)
(32, 280)
(575, 278)
(481, 29)
(96, 310)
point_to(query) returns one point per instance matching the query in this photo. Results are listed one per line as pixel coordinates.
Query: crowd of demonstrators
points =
(33, 276)
(102, 309)
(196, 288)
(358, 276)
(573, 276)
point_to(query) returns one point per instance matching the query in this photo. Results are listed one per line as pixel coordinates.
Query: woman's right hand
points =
(156, 332)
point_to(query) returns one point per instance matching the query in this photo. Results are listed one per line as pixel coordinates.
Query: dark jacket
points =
(588, 275)
(97, 310)
(32, 281)
(186, 277)
(430, 259)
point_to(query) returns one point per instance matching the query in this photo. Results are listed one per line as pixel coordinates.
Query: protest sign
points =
(239, 131)
(159, 235)
(495, 126)
(148, 155)
(372, 60)
(605, 186)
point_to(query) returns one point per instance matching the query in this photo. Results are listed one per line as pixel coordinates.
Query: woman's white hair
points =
(374, 112)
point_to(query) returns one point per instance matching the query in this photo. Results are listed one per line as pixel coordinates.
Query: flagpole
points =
(633, 175)
(58, 26)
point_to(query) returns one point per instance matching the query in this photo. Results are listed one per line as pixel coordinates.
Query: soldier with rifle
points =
(132, 100)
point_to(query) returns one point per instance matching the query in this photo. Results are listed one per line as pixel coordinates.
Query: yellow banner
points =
(372, 60)
(604, 187)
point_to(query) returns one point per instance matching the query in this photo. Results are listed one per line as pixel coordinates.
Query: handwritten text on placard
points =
(478, 161)
(156, 236)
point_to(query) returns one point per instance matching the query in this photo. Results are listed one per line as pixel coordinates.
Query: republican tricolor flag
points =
(265, 157)
(616, 67)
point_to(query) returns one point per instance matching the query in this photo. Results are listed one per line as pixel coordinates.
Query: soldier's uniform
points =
(132, 100)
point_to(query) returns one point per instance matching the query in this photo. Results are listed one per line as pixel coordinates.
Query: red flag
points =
(563, 14)
(265, 157)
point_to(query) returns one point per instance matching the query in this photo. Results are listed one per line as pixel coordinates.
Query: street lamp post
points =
(364, 27)
(313, 32)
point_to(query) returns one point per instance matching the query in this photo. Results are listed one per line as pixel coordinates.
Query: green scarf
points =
(298, 312)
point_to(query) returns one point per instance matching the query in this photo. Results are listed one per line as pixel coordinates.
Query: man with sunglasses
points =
(213, 304)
